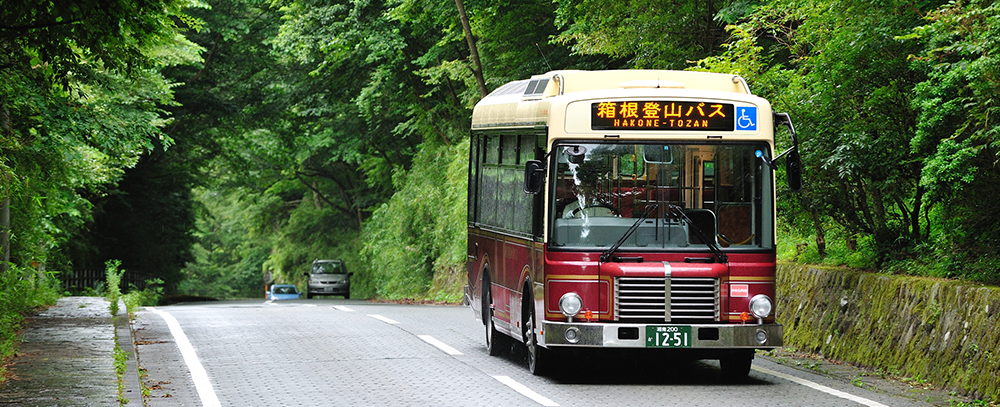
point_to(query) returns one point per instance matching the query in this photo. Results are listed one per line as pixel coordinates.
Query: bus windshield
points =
(601, 190)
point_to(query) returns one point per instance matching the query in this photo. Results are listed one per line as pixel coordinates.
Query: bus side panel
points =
(517, 268)
(482, 246)
(497, 255)
(474, 266)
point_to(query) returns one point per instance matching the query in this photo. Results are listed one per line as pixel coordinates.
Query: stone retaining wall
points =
(944, 332)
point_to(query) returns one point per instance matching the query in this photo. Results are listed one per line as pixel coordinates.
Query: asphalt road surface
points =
(330, 352)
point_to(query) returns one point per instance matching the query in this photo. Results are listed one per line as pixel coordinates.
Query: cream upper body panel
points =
(563, 101)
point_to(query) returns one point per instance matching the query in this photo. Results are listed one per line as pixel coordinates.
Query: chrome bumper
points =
(613, 335)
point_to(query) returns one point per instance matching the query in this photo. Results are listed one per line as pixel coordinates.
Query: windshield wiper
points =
(606, 256)
(677, 211)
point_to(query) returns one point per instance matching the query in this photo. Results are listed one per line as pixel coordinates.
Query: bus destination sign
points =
(661, 115)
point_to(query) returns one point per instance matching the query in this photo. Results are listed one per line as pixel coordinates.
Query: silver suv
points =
(328, 277)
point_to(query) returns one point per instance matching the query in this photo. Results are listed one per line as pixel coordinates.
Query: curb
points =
(132, 390)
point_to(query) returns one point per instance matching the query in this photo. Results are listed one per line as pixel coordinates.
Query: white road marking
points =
(440, 345)
(524, 390)
(342, 308)
(820, 387)
(384, 319)
(198, 373)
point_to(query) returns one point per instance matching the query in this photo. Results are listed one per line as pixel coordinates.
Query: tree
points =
(957, 133)
(650, 34)
(81, 96)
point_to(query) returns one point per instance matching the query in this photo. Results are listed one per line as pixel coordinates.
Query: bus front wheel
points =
(736, 366)
(494, 339)
(540, 359)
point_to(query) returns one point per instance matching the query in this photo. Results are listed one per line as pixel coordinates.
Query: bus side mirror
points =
(534, 175)
(793, 171)
(793, 164)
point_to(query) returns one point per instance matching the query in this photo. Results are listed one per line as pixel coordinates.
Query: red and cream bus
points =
(626, 209)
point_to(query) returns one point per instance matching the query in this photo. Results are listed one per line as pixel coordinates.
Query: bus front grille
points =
(645, 300)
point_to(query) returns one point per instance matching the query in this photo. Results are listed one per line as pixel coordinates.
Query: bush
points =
(114, 279)
(21, 291)
(148, 296)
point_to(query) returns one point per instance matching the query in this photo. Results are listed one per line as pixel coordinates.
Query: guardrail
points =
(78, 280)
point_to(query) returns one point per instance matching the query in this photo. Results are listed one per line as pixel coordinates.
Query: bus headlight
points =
(760, 306)
(570, 304)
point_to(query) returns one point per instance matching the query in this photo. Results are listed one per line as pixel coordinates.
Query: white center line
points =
(198, 373)
(342, 308)
(820, 387)
(524, 390)
(440, 345)
(384, 319)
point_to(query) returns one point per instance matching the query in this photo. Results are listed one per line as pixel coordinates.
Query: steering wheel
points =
(600, 209)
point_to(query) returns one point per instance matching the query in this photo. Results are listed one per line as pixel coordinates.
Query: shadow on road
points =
(630, 367)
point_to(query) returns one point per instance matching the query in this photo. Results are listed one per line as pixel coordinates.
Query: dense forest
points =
(214, 144)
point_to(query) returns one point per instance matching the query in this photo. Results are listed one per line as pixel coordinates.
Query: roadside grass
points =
(935, 257)
(22, 290)
(121, 358)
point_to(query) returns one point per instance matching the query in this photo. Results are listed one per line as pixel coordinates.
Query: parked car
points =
(328, 277)
(283, 292)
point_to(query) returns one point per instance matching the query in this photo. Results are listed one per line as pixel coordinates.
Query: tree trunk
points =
(915, 213)
(820, 235)
(316, 198)
(477, 69)
(4, 234)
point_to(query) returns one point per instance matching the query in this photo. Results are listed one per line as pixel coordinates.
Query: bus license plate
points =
(672, 336)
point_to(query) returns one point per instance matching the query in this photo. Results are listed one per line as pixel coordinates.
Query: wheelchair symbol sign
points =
(746, 118)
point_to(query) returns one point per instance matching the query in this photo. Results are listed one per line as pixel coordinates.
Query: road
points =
(354, 353)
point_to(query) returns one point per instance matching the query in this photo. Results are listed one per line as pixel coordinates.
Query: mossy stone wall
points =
(944, 332)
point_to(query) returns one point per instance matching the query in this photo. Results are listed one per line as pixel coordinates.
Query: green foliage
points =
(227, 263)
(958, 132)
(81, 98)
(650, 34)
(420, 231)
(892, 112)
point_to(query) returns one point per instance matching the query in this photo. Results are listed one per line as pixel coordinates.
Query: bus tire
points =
(540, 359)
(736, 366)
(494, 339)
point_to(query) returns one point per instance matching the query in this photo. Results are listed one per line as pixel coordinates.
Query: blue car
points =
(283, 292)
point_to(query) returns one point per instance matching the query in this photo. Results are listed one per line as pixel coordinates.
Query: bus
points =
(631, 210)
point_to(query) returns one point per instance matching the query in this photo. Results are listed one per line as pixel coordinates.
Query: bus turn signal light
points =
(745, 316)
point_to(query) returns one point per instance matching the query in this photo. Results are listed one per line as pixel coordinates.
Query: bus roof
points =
(506, 105)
